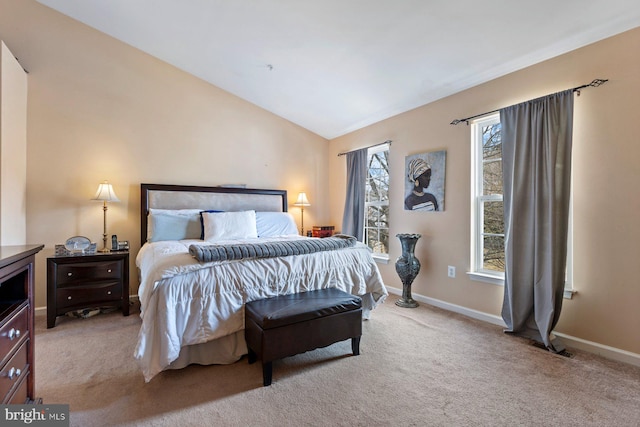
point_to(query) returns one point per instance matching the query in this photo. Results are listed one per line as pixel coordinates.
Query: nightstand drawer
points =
(81, 295)
(12, 331)
(14, 370)
(73, 274)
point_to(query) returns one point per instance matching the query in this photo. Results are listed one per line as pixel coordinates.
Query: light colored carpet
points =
(418, 367)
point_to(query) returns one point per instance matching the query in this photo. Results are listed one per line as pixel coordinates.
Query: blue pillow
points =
(166, 224)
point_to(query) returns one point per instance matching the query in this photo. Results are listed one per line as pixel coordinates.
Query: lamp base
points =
(105, 249)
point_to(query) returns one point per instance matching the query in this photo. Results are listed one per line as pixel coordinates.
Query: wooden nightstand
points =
(84, 281)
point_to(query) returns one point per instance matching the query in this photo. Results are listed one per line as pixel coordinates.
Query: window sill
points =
(497, 280)
(381, 259)
(485, 277)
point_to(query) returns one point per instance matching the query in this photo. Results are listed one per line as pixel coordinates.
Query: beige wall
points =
(99, 109)
(606, 196)
(13, 150)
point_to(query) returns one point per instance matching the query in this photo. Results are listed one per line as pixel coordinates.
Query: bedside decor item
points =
(118, 245)
(77, 244)
(323, 230)
(302, 202)
(407, 267)
(123, 245)
(61, 250)
(105, 194)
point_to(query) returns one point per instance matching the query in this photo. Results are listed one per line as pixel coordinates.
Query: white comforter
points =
(186, 302)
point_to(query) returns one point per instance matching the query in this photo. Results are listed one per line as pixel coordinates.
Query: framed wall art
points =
(424, 181)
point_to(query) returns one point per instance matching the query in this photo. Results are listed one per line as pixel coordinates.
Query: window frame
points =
(476, 272)
(478, 200)
(370, 152)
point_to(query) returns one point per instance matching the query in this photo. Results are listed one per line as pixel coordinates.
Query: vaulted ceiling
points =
(334, 66)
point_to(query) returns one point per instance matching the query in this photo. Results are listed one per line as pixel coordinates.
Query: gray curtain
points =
(536, 157)
(353, 218)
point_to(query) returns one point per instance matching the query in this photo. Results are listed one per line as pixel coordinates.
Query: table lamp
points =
(106, 194)
(302, 202)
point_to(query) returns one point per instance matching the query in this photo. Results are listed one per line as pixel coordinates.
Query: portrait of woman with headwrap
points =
(419, 174)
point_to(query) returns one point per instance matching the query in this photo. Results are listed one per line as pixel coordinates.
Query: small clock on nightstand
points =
(82, 281)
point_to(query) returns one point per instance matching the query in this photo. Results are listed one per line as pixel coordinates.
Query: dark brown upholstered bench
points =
(287, 325)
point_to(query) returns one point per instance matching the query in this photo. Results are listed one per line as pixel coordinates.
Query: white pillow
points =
(271, 224)
(229, 225)
(173, 224)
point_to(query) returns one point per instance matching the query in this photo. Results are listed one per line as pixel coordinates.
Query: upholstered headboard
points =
(163, 196)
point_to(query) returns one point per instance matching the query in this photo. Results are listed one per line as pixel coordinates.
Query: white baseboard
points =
(579, 343)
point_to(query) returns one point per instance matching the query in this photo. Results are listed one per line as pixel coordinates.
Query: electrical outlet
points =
(451, 271)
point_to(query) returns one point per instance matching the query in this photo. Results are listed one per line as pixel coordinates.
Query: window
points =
(487, 221)
(376, 208)
(487, 214)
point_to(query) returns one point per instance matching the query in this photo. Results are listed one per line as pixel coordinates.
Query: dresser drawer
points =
(13, 371)
(12, 331)
(21, 395)
(89, 295)
(76, 274)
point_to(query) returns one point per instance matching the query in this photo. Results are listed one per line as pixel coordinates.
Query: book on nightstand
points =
(322, 231)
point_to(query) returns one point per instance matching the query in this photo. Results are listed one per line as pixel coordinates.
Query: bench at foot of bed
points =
(287, 325)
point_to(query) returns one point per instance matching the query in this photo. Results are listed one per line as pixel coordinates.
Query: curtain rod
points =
(388, 141)
(594, 83)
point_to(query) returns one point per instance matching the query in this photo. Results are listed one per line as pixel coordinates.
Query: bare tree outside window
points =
(376, 231)
(492, 232)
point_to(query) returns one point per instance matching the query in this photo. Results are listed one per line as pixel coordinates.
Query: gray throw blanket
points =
(210, 253)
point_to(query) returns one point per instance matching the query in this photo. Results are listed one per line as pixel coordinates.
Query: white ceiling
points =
(334, 66)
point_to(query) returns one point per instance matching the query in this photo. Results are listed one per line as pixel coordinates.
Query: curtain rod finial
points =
(598, 82)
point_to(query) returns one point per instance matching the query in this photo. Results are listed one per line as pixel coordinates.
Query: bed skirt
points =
(228, 349)
(222, 351)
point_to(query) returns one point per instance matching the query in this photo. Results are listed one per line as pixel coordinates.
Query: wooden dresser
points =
(17, 372)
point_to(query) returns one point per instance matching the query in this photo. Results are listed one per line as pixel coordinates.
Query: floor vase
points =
(407, 267)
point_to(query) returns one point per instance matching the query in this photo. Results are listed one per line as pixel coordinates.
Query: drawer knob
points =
(69, 274)
(68, 297)
(109, 271)
(14, 333)
(14, 373)
(108, 292)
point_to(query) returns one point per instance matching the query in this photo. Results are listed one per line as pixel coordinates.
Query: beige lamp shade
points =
(105, 193)
(302, 200)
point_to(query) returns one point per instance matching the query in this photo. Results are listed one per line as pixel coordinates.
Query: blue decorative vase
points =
(407, 267)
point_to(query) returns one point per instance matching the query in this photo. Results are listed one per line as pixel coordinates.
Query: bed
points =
(193, 310)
